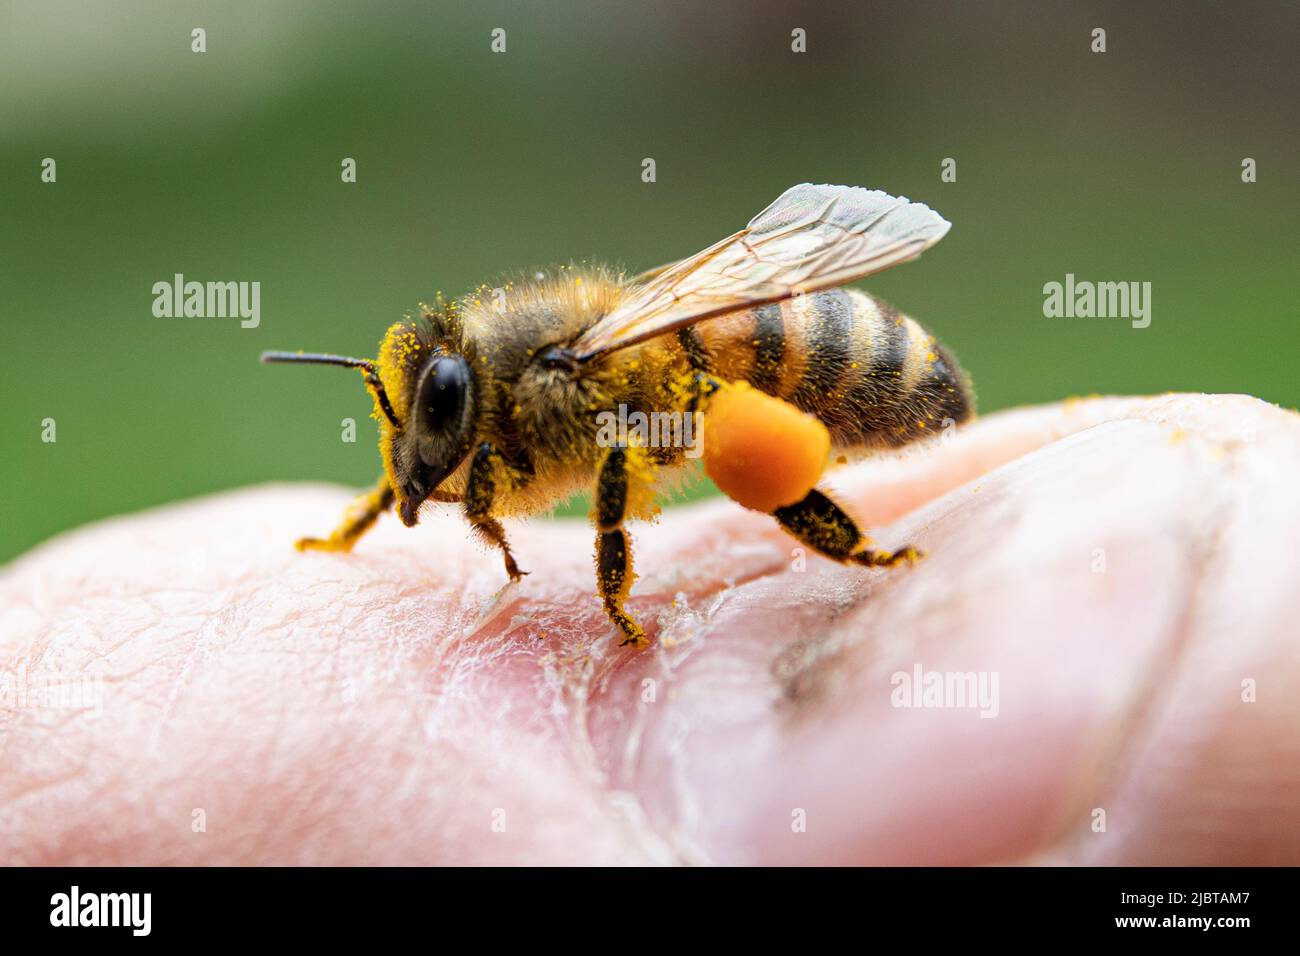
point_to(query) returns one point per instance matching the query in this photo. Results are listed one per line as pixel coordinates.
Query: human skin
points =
(1126, 567)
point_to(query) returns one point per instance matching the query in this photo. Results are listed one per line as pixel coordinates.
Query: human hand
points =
(1121, 565)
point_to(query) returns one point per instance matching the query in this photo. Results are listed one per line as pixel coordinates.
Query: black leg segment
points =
(480, 491)
(614, 574)
(825, 527)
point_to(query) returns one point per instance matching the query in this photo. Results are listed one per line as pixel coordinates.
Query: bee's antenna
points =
(318, 358)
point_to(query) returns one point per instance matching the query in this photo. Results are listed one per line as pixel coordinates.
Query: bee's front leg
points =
(479, 494)
(357, 520)
(826, 528)
(614, 575)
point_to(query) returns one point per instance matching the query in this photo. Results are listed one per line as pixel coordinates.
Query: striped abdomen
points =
(872, 375)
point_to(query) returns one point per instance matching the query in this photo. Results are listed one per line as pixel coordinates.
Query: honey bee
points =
(494, 400)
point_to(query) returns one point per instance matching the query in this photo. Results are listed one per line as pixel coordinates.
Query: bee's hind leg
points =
(479, 494)
(624, 470)
(357, 520)
(825, 527)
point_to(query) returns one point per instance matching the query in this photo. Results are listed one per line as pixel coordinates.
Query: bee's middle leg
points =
(479, 494)
(357, 520)
(825, 527)
(614, 574)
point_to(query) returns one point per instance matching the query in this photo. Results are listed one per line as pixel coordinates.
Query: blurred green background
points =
(225, 166)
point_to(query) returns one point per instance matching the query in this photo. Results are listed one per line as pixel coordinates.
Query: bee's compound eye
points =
(444, 387)
(556, 357)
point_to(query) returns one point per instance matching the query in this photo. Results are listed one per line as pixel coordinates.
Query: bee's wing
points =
(812, 237)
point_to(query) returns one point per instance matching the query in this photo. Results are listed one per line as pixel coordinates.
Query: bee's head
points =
(426, 404)
(438, 432)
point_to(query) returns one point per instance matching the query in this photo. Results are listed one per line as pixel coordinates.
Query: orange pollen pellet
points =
(761, 451)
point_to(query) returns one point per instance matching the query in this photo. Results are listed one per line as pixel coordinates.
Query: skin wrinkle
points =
(178, 683)
(668, 835)
(657, 842)
(655, 837)
(1167, 710)
(806, 667)
(1157, 682)
(573, 692)
(1121, 730)
(431, 666)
